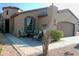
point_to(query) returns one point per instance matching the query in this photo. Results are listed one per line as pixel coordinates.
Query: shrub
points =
(56, 35)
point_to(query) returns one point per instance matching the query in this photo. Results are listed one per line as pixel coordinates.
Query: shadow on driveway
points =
(77, 46)
(23, 42)
(31, 42)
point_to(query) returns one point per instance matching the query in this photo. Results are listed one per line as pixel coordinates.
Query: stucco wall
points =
(52, 13)
(10, 12)
(48, 20)
(43, 21)
(19, 20)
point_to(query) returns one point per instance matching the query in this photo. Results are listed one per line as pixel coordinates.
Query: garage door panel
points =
(67, 28)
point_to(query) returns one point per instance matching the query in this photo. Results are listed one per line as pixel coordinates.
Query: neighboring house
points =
(16, 21)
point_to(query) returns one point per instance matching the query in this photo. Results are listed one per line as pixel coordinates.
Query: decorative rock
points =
(68, 53)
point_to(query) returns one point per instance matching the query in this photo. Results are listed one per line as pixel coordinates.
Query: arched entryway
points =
(6, 25)
(66, 27)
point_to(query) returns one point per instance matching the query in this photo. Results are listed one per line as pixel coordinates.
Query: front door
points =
(7, 25)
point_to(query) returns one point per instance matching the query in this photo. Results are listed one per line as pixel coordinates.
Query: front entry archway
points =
(6, 25)
(67, 28)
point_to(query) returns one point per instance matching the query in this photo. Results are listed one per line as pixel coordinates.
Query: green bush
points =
(56, 34)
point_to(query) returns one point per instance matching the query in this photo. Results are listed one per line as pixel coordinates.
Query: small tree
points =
(56, 34)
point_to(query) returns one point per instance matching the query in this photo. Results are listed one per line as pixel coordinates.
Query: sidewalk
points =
(26, 50)
(64, 42)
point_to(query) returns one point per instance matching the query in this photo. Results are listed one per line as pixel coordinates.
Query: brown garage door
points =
(67, 28)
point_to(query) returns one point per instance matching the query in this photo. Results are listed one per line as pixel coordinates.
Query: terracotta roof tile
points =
(27, 12)
(10, 7)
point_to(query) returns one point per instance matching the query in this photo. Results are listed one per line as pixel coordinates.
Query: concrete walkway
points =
(26, 49)
(23, 47)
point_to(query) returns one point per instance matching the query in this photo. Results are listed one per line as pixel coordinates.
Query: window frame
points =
(32, 25)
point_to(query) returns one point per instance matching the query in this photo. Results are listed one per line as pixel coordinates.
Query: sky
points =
(74, 7)
(25, 6)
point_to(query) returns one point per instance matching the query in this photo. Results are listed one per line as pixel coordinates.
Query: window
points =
(7, 12)
(28, 21)
(29, 24)
(44, 26)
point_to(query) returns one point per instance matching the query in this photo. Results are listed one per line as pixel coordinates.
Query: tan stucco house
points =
(15, 21)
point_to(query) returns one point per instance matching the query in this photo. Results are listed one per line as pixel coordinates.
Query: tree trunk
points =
(45, 44)
(45, 49)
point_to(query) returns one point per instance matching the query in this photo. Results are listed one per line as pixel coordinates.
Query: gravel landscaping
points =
(7, 49)
(65, 51)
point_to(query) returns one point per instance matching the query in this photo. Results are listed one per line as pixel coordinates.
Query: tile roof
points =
(27, 12)
(10, 7)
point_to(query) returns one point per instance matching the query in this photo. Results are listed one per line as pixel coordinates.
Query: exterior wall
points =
(18, 24)
(48, 20)
(43, 21)
(11, 29)
(10, 12)
(52, 13)
(5, 16)
(19, 21)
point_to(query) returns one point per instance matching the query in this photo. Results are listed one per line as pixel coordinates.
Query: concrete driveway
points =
(30, 47)
(26, 46)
